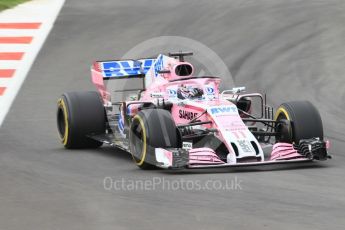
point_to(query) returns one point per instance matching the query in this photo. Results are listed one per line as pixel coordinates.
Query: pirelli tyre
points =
(80, 114)
(150, 129)
(298, 120)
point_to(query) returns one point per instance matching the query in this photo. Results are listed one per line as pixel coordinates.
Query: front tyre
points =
(150, 129)
(80, 114)
(298, 120)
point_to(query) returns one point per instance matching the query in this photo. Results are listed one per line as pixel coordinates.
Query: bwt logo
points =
(126, 68)
(209, 90)
(225, 109)
(172, 92)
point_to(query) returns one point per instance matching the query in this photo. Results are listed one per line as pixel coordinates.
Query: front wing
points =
(282, 153)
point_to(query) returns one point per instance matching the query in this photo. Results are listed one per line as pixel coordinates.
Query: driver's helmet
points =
(189, 92)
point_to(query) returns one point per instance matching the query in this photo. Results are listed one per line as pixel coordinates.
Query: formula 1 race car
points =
(156, 109)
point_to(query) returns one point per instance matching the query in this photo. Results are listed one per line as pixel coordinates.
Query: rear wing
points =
(123, 68)
(118, 69)
(149, 69)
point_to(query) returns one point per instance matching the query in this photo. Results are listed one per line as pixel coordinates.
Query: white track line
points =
(15, 48)
(10, 65)
(16, 32)
(43, 11)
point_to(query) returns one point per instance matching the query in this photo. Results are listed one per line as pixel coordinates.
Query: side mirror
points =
(235, 90)
(241, 89)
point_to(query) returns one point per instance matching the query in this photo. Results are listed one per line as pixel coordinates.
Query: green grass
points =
(6, 4)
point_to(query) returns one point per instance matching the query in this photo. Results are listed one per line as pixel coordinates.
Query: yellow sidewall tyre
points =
(151, 129)
(79, 115)
(305, 120)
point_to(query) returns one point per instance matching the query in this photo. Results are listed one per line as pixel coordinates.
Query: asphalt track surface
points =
(289, 49)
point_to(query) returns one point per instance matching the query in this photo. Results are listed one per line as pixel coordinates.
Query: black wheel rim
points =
(61, 122)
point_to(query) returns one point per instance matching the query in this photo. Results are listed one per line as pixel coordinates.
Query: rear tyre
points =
(299, 120)
(80, 114)
(150, 129)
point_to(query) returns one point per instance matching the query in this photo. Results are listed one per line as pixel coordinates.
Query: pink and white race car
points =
(156, 109)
